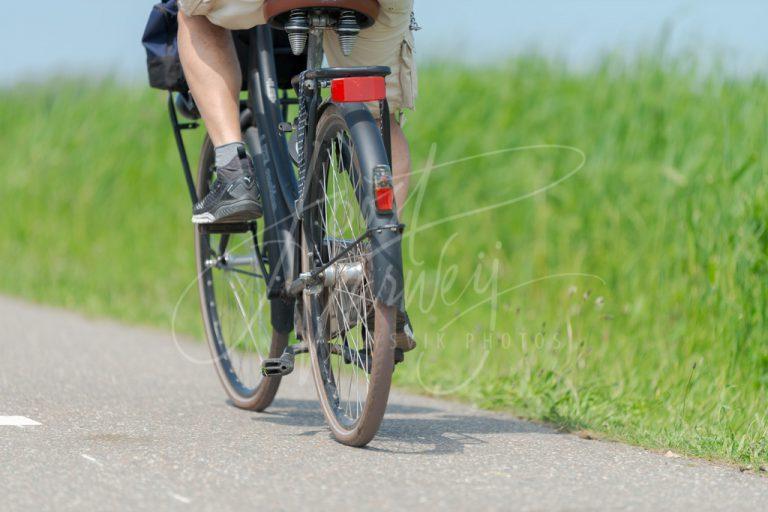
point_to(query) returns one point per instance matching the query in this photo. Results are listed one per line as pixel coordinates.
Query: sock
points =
(226, 153)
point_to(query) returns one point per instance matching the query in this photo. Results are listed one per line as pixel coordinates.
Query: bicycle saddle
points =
(367, 9)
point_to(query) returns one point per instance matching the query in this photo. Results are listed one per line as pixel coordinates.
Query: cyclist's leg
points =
(401, 163)
(388, 42)
(213, 75)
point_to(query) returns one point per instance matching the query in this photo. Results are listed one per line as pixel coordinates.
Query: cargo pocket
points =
(408, 74)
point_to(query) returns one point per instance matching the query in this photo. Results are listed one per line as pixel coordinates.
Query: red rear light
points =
(358, 88)
(385, 199)
(383, 188)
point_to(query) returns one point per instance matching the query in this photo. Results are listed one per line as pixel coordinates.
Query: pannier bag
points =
(159, 40)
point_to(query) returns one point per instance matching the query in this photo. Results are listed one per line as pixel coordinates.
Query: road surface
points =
(128, 421)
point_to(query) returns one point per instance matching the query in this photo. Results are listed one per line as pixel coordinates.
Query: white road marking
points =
(89, 458)
(180, 498)
(17, 421)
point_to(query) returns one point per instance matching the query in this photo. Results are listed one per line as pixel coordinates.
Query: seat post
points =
(315, 48)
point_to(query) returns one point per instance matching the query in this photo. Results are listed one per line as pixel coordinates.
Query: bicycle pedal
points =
(223, 228)
(277, 366)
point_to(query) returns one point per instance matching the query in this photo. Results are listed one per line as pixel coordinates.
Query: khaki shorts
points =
(389, 42)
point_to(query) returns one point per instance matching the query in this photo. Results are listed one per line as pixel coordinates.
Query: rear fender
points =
(386, 235)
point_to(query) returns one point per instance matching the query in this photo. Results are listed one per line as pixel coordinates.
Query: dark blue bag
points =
(159, 40)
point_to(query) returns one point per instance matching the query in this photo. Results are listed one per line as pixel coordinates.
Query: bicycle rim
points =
(349, 332)
(235, 308)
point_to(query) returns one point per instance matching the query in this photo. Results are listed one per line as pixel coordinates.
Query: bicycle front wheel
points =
(349, 331)
(234, 304)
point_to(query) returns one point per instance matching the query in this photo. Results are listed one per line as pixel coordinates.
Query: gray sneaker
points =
(234, 196)
(404, 337)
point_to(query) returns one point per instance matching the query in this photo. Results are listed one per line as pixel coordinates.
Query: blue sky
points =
(102, 36)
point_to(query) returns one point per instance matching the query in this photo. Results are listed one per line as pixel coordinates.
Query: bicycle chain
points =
(301, 131)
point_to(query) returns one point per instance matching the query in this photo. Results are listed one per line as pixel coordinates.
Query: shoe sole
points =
(405, 339)
(240, 211)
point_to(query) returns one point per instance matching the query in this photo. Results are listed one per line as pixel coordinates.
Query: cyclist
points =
(212, 71)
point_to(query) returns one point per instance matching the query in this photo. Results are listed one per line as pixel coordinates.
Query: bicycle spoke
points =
(341, 222)
(241, 316)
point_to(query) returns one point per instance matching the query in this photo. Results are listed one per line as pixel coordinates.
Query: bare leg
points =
(401, 171)
(213, 74)
(401, 164)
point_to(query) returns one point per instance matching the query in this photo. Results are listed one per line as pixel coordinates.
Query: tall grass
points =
(620, 284)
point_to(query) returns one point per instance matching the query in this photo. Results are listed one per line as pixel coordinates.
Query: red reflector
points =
(382, 186)
(358, 88)
(385, 199)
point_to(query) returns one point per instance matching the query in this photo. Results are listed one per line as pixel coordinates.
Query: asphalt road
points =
(129, 422)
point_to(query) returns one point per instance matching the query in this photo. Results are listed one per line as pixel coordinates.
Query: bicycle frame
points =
(274, 172)
(261, 114)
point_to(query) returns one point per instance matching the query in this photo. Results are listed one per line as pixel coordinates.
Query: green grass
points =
(630, 298)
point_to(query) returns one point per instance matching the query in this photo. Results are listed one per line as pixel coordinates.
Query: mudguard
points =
(386, 238)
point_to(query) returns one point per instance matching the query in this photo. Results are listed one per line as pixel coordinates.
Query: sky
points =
(103, 36)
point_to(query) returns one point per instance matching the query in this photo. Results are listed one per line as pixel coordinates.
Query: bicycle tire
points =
(259, 394)
(322, 310)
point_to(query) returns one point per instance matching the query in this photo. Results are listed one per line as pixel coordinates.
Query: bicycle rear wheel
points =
(234, 304)
(350, 333)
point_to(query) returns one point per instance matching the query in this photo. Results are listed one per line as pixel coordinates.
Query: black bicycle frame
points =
(274, 172)
(261, 115)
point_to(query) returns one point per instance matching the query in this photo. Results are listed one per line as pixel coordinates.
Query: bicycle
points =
(325, 259)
